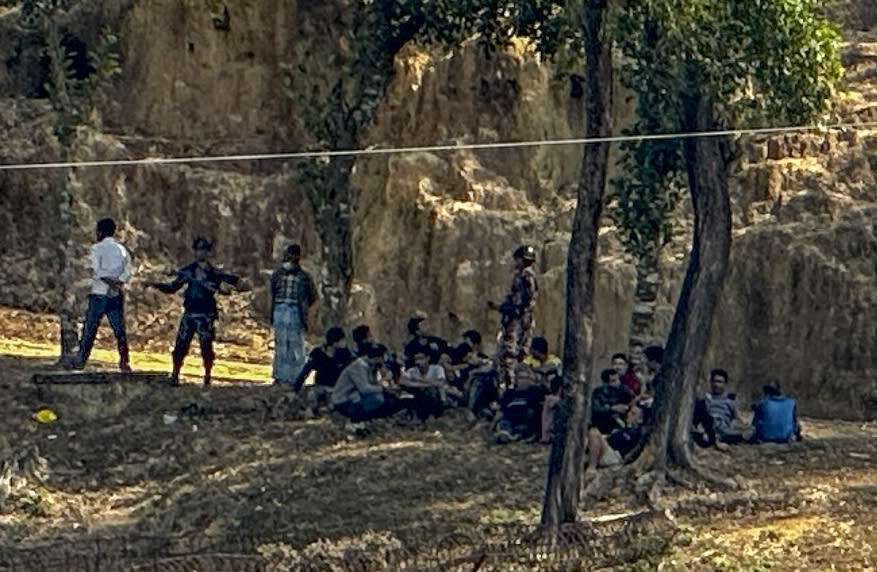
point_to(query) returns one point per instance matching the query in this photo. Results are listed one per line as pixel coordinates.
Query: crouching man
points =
(358, 395)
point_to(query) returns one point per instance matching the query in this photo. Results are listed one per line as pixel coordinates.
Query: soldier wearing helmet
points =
(517, 314)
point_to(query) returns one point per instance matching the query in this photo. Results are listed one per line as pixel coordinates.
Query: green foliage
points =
(762, 63)
(73, 98)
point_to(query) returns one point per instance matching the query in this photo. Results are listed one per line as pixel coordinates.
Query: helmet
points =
(525, 252)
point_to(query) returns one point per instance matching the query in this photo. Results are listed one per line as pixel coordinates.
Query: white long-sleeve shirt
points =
(109, 259)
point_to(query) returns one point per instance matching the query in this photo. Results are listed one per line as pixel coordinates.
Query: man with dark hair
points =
(609, 402)
(628, 377)
(715, 413)
(327, 361)
(358, 395)
(775, 417)
(421, 341)
(516, 312)
(428, 385)
(202, 281)
(546, 367)
(111, 270)
(520, 408)
(362, 336)
(292, 294)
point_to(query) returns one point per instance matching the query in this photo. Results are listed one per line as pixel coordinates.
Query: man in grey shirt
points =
(358, 395)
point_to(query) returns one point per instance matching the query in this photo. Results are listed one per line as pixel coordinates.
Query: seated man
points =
(357, 394)
(421, 341)
(547, 369)
(519, 416)
(545, 365)
(626, 373)
(605, 451)
(362, 337)
(328, 361)
(715, 414)
(427, 383)
(776, 418)
(609, 402)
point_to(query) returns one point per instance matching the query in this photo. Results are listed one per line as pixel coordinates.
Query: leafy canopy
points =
(762, 63)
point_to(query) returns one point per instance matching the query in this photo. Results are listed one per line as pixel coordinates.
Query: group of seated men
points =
(622, 404)
(367, 381)
(430, 376)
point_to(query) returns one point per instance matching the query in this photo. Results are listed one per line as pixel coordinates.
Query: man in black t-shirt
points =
(609, 402)
(326, 362)
(421, 342)
(202, 281)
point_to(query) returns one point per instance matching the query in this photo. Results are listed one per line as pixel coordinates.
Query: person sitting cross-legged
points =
(428, 385)
(776, 418)
(715, 414)
(358, 395)
(609, 402)
(546, 367)
(520, 408)
(611, 449)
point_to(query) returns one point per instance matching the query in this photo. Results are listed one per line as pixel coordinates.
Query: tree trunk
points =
(567, 458)
(65, 130)
(642, 321)
(334, 212)
(676, 382)
(67, 268)
(345, 123)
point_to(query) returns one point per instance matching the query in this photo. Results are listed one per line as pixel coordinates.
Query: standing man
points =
(202, 281)
(111, 270)
(517, 315)
(292, 294)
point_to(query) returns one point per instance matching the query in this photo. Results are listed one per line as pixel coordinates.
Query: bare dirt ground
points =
(112, 466)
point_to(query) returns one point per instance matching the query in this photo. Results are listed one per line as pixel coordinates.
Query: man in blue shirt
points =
(776, 417)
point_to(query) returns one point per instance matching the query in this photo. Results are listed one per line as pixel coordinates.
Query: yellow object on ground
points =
(45, 416)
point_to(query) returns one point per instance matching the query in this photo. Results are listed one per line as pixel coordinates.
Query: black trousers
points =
(191, 324)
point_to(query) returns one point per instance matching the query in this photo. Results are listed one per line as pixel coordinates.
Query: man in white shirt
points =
(111, 270)
(428, 385)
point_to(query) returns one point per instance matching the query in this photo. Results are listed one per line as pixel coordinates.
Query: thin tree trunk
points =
(676, 383)
(346, 122)
(334, 217)
(567, 458)
(645, 301)
(65, 130)
(67, 270)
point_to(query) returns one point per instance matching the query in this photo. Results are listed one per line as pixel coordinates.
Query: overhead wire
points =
(371, 151)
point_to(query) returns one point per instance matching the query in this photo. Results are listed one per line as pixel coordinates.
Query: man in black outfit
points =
(327, 361)
(202, 281)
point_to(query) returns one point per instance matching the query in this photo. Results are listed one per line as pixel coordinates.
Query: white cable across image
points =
(430, 148)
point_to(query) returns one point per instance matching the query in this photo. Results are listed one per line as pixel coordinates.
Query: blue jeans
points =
(289, 344)
(113, 308)
(370, 406)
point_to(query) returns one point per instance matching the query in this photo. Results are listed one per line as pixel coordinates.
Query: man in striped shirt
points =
(111, 270)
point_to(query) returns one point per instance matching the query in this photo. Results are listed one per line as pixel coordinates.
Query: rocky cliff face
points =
(433, 231)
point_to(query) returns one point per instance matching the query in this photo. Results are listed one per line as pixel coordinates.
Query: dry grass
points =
(811, 507)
